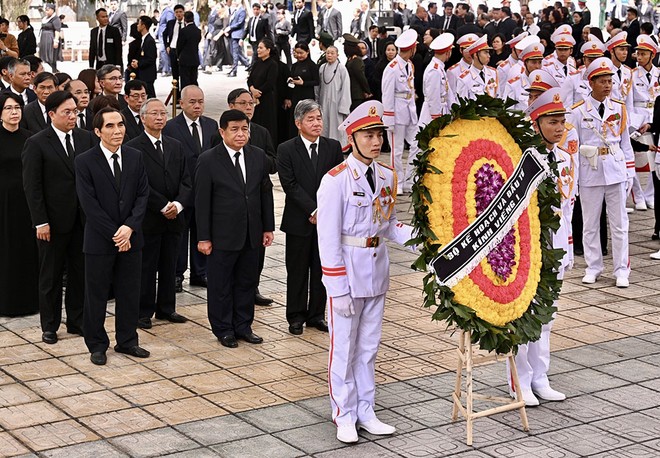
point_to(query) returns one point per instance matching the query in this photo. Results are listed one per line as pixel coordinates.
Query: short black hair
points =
(616, 23)
(632, 10)
(61, 77)
(4, 62)
(44, 76)
(469, 17)
(97, 123)
(134, 85)
(34, 62)
(232, 115)
(646, 27)
(4, 21)
(146, 21)
(432, 4)
(10, 95)
(188, 16)
(373, 26)
(236, 93)
(58, 98)
(447, 4)
(256, 5)
(100, 10)
(102, 101)
(506, 10)
(178, 7)
(24, 18)
(482, 7)
(382, 29)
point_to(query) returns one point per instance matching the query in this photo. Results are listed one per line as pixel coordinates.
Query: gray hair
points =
(189, 88)
(303, 107)
(145, 105)
(11, 68)
(104, 71)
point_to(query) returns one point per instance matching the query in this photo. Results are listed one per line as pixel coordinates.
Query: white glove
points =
(343, 305)
(629, 185)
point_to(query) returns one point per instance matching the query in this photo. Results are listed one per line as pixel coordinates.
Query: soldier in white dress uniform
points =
(356, 213)
(455, 71)
(591, 50)
(438, 96)
(504, 67)
(516, 87)
(539, 82)
(561, 66)
(645, 89)
(555, 57)
(622, 78)
(548, 115)
(607, 166)
(400, 115)
(480, 78)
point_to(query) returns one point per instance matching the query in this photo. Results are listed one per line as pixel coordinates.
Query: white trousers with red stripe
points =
(354, 344)
(533, 362)
(397, 135)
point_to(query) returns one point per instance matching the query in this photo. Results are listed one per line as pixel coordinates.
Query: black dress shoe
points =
(98, 358)
(178, 286)
(172, 318)
(228, 341)
(135, 350)
(74, 330)
(200, 281)
(578, 251)
(320, 325)
(144, 323)
(605, 251)
(655, 236)
(251, 338)
(296, 328)
(49, 337)
(261, 300)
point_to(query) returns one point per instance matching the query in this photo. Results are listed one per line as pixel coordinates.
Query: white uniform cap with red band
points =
(512, 42)
(548, 103)
(618, 40)
(467, 40)
(541, 80)
(593, 49)
(479, 45)
(530, 40)
(533, 51)
(406, 40)
(368, 115)
(563, 29)
(592, 37)
(563, 41)
(647, 43)
(442, 43)
(600, 66)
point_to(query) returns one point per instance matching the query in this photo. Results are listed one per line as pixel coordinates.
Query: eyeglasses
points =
(157, 114)
(138, 96)
(68, 113)
(249, 104)
(10, 108)
(85, 92)
(114, 79)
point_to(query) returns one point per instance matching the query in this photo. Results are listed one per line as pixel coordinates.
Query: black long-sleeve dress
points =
(309, 72)
(19, 264)
(264, 78)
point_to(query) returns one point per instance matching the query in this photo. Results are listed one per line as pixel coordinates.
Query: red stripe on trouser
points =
(332, 347)
(392, 149)
(513, 385)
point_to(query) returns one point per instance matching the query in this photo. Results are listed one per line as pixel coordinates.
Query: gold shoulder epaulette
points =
(618, 101)
(569, 126)
(577, 104)
(337, 170)
(385, 165)
(513, 80)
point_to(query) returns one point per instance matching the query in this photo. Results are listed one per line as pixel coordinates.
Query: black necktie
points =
(315, 156)
(139, 121)
(618, 72)
(446, 22)
(407, 70)
(101, 45)
(648, 76)
(69, 147)
(483, 77)
(551, 155)
(565, 70)
(159, 150)
(237, 164)
(116, 169)
(601, 110)
(370, 179)
(81, 117)
(196, 139)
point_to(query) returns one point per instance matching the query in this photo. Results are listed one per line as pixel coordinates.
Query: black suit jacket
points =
(228, 213)
(89, 120)
(112, 47)
(108, 207)
(260, 138)
(303, 29)
(436, 22)
(169, 31)
(178, 129)
(30, 95)
(300, 181)
(33, 118)
(27, 43)
(133, 130)
(454, 23)
(187, 47)
(147, 61)
(506, 27)
(49, 178)
(169, 181)
(263, 29)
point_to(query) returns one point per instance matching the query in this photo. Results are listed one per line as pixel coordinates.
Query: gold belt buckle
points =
(603, 150)
(650, 104)
(373, 242)
(408, 96)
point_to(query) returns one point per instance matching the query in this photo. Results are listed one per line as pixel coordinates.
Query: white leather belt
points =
(644, 104)
(360, 242)
(403, 95)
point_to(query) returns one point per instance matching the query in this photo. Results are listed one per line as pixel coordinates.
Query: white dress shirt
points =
(199, 127)
(179, 207)
(108, 157)
(241, 158)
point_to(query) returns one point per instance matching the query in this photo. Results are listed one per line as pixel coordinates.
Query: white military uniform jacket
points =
(515, 88)
(348, 207)
(504, 69)
(438, 96)
(617, 164)
(645, 90)
(622, 86)
(455, 71)
(470, 84)
(556, 69)
(398, 89)
(551, 59)
(581, 88)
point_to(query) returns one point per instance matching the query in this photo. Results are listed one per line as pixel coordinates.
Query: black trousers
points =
(123, 271)
(151, 92)
(282, 45)
(159, 256)
(189, 240)
(174, 63)
(303, 273)
(188, 75)
(62, 250)
(577, 225)
(232, 282)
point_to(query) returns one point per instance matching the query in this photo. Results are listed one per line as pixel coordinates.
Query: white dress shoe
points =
(347, 434)
(589, 279)
(622, 282)
(630, 210)
(641, 206)
(650, 205)
(655, 255)
(376, 427)
(529, 398)
(548, 394)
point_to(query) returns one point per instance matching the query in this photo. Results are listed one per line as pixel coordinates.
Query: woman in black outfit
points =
(360, 89)
(304, 78)
(19, 262)
(262, 83)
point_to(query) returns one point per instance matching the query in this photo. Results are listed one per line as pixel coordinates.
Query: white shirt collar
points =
(308, 144)
(108, 154)
(154, 139)
(190, 121)
(62, 135)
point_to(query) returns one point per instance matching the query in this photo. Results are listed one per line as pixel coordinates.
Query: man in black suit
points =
(469, 26)
(235, 216)
(188, 50)
(242, 100)
(104, 43)
(633, 30)
(373, 43)
(170, 189)
(302, 23)
(194, 131)
(81, 93)
(35, 116)
(506, 25)
(111, 80)
(135, 94)
(171, 37)
(50, 190)
(257, 29)
(433, 18)
(419, 22)
(449, 21)
(301, 163)
(145, 67)
(112, 186)
(21, 78)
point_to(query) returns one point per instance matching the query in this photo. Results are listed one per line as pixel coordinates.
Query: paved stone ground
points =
(195, 398)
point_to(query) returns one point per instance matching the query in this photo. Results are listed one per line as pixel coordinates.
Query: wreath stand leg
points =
(465, 361)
